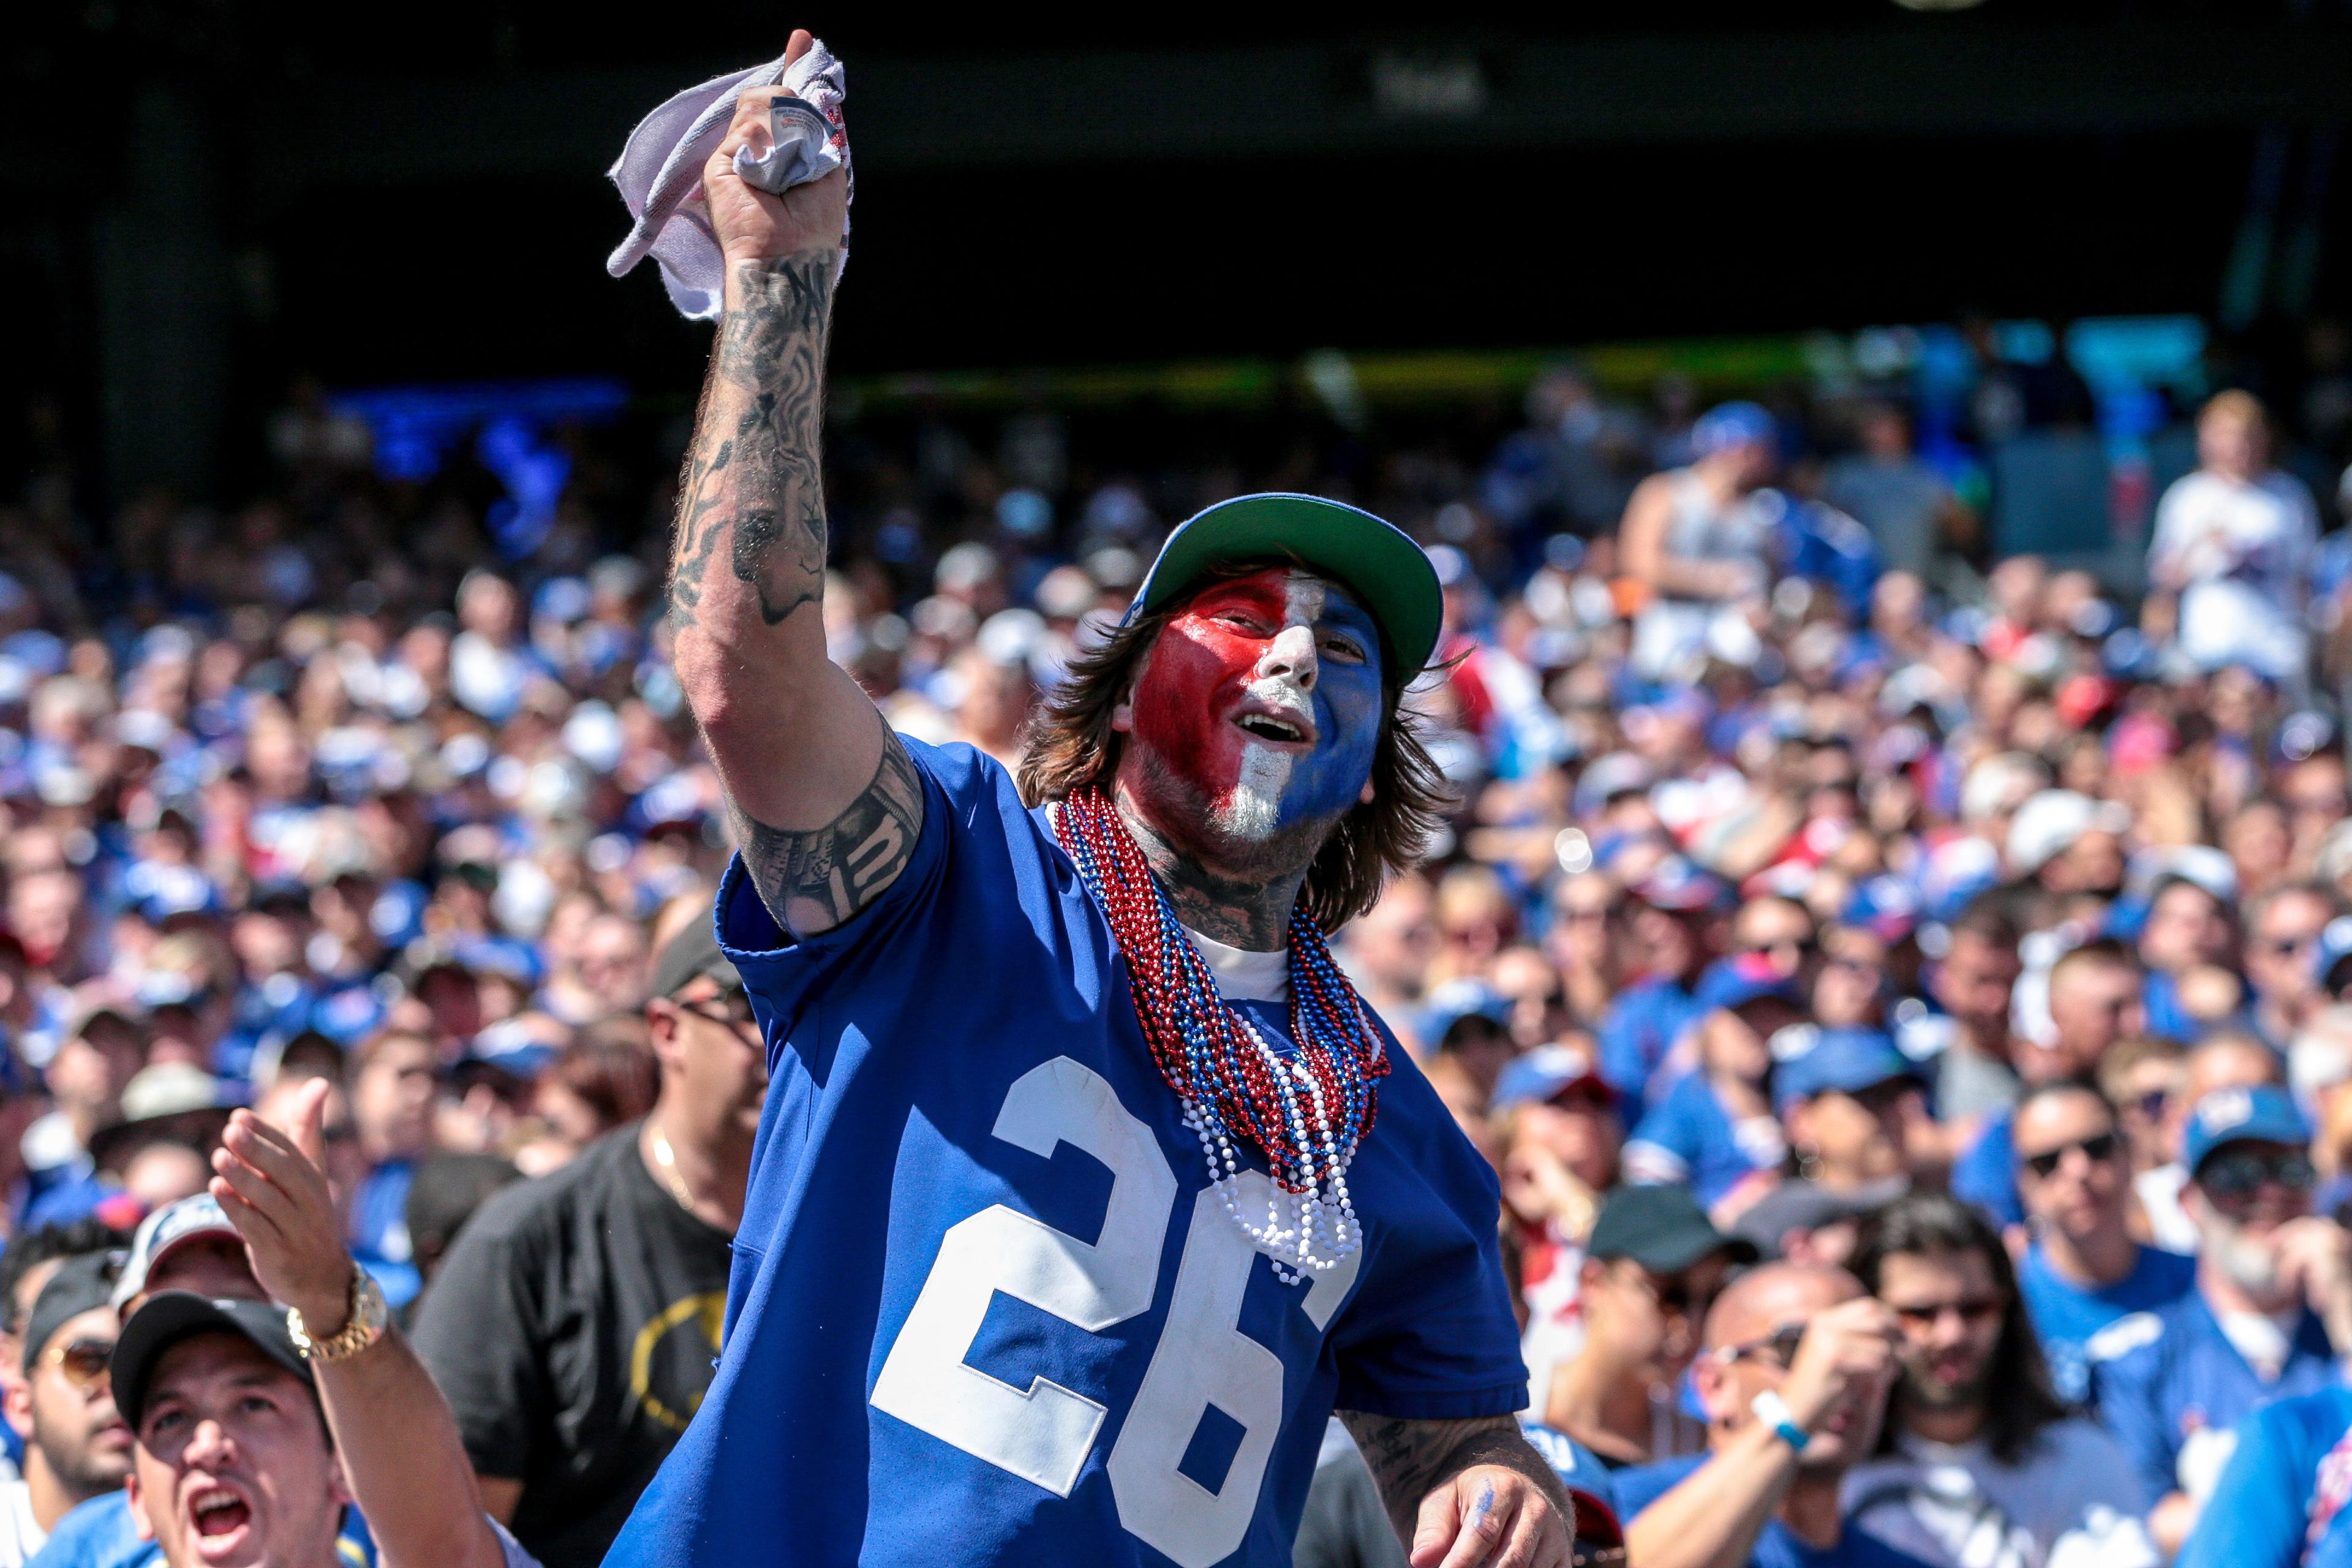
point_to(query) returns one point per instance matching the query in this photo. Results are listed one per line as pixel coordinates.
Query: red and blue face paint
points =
(1264, 695)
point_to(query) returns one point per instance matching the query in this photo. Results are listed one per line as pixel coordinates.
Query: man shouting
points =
(1085, 1188)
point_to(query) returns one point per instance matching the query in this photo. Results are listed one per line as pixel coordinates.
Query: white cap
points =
(2048, 824)
(189, 1220)
(1999, 784)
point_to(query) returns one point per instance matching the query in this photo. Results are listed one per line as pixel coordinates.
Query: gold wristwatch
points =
(363, 1322)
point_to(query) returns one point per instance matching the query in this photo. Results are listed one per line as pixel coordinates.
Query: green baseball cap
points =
(1376, 561)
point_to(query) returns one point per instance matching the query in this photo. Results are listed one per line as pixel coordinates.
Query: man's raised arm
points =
(825, 804)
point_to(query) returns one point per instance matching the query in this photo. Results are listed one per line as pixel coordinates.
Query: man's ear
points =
(337, 1486)
(16, 1397)
(1122, 713)
(1712, 1382)
(661, 1025)
(139, 1519)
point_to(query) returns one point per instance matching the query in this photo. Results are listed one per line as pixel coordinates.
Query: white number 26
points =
(1044, 1432)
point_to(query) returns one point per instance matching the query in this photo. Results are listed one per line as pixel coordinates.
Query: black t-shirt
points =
(572, 1327)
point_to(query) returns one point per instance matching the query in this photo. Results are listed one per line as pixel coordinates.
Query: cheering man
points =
(1086, 1186)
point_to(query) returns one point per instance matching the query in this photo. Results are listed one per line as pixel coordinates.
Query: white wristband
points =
(1773, 1410)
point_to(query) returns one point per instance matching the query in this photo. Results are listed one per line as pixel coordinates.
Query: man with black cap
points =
(76, 1446)
(574, 1320)
(1065, 1071)
(237, 1461)
(1651, 1271)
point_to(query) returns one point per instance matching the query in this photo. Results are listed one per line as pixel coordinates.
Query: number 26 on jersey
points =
(1044, 1433)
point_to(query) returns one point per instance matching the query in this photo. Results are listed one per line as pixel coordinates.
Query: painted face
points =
(1263, 696)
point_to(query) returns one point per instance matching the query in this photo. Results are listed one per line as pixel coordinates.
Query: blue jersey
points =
(1986, 1176)
(1634, 1035)
(379, 1231)
(2280, 1498)
(2066, 1315)
(1580, 1469)
(2160, 1379)
(986, 1308)
(1688, 1138)
(1776, 1546)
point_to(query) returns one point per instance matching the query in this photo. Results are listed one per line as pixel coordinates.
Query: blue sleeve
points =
(2124, 1392)
(1670, 1141)
(964, 796)
(1778, 1547)
(1639, 1486)
(1429, 1334)
(1625, 1064)
(2259, 1512)
(1987, 1175)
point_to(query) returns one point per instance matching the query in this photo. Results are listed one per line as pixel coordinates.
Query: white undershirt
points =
(21, 1535)
(1242, 976)
(2265, 1339)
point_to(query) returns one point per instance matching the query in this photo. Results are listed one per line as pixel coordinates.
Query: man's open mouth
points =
(217, 1511)
(1272, 727)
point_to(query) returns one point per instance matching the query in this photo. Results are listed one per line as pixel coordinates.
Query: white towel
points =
(659, 173)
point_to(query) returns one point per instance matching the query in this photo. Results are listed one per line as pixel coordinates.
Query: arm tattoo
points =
(1410, 1460)
(760, 483)
(816, 880)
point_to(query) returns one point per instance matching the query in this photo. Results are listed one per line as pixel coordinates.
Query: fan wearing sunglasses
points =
(1794, 1375)
(2271, 1314)
(76, 1446)
(1979, 1464)
(2085, 1269)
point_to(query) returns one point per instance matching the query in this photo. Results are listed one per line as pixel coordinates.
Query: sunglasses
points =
(1675, 1296)
(1779, 1347)
(731, 1010)
(86, 1362)
(2240, 1173)
(2098, 1149)
(1973, 1310)
(1803, 947)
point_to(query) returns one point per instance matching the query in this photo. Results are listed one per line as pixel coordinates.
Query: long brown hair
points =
(1072, 746)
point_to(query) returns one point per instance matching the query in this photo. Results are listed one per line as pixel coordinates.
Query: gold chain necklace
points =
(665, 1158)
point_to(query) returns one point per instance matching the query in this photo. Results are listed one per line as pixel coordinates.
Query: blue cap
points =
(1543, 1073)
(1678, 887)
(1743, 978)
(2265, 1114)
(511, 1048)
(1608, 777)
(1835, 1061)
(1449, 1003)
(1884, 906)
(1729, 424)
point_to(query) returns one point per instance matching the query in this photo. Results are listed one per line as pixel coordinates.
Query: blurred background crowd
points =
(1810, 853)
(1894, 939)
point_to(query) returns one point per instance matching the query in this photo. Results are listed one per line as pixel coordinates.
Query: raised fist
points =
(751, 224)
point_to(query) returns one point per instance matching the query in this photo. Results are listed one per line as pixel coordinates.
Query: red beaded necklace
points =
(1306, 1110)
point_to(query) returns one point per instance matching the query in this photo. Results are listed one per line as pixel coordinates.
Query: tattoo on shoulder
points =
(815, 880)
(763, 475)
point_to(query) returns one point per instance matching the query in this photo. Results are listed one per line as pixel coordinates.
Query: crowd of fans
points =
(1898, 989)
